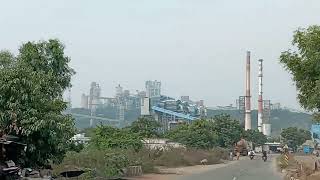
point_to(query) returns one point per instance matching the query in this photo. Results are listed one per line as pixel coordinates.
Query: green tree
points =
(295, 137)
(107, 137)
(198, 134)
(145, 127)
(228, 130)
(6, 58)
(31, 102)
(304, 65)
(256, 137)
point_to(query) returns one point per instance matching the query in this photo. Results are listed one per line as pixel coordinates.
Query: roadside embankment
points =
(301, 167)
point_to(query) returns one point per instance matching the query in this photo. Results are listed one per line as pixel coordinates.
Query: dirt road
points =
(244, 170)
(236, 170)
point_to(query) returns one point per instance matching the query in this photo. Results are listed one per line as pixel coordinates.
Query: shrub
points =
(97, 163)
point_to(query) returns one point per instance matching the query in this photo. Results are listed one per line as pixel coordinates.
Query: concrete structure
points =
(315, 132)
(275, 106)
(119, 91)
(266, 129)
(84, 101)
(247, 118)
(185, 98)
(266, 125)
(200, 103)
(153, 89)
(94, 96)
(260, 99)
(241, 106)
(145, 106)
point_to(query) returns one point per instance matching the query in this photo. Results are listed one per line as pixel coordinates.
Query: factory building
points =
(84, 101)
(153, 88)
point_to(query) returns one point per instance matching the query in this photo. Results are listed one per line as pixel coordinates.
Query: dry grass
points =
(101, 164)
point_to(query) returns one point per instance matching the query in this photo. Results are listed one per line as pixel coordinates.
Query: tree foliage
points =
(145, 127)
(228, 130)
(107, 137)
(31, 102)
(295, 137)
(257, 138)
(222, 131)
(199, 134)
(304, 65)
(6, 59)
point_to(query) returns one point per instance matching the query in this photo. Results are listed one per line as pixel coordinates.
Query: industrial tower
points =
(260, 99)
(247, 119)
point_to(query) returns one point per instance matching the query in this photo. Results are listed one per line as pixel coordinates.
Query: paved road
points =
(243, 170)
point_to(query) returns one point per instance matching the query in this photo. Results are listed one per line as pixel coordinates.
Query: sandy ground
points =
(174, 173)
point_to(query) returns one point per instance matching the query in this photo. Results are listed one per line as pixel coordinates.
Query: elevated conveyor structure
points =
(112, 122)
(167, 117)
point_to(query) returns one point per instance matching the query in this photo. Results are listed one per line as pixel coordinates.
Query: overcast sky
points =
(194, 47)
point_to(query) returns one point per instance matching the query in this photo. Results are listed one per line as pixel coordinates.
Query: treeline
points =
(202, 139)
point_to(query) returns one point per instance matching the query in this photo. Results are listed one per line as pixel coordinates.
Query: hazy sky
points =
(194, 47)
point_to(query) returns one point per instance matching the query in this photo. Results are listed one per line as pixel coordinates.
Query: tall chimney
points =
(260, 107)
(247, 119)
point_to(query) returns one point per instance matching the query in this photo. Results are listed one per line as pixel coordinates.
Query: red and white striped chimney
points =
(260, 100)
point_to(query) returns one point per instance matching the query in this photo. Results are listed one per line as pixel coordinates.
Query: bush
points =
(96, 163)
(107, 137)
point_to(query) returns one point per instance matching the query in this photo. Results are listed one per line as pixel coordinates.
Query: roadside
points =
(175, 173)
(302, 167)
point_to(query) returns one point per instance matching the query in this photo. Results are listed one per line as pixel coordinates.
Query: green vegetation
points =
(228, 130)
(295, 137)
(31, 104)
(107, 137)
(113, 149)
(199, 134)
(256, 137)
(145, 127)
(304, 66)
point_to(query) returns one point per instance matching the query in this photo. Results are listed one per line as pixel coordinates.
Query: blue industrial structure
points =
(315, 131)
(169, 119)
(175, 114)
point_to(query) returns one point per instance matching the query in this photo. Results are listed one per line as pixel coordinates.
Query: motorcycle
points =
(251, 157)
(264, 158)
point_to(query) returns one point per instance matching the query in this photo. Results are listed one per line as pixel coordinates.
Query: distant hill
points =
(279, 118)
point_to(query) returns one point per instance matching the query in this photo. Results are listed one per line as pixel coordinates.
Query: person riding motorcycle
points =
(251, 153)
(264, 155)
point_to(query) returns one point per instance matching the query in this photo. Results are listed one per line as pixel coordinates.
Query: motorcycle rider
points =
(264, 154)
(251, 153)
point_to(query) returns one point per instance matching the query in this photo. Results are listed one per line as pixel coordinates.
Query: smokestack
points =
(247, 119)
(260, 107)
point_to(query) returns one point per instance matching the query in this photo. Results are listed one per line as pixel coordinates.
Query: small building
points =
(80, 139)
(162, 144)
(308, 146)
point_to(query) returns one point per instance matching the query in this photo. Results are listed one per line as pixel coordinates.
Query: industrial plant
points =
(127, 106)
(150, 102)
